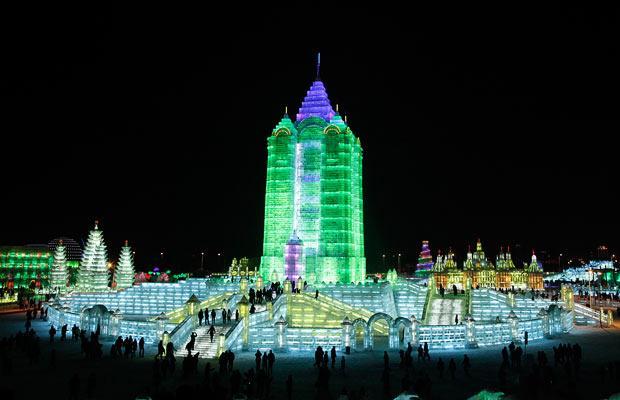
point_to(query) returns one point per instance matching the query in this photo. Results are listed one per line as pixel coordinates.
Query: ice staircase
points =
(327, 312)
(203, 342)
(443, 310)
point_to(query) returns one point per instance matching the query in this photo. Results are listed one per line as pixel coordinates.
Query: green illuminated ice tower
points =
(314, 194)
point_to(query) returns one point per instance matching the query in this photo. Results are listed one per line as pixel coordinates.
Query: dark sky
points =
(491, 123)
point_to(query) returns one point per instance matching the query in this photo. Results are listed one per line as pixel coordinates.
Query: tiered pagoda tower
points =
(314, 189)
(93, 272)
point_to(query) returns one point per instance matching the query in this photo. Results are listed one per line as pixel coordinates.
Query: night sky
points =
(490, 123)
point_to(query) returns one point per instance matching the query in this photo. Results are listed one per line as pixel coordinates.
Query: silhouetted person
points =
(211, 332)
(52, 333)
(456, 319)
(386, 360)
(223, 317)
(466, 364)
(213, 317)
(316, 294)
(257, 359)
(452, 367)
(333, 356)
(141, 347)
(200, 317)
(160, 349)
(237, 315)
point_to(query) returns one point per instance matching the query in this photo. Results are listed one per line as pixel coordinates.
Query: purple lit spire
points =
(316, 103)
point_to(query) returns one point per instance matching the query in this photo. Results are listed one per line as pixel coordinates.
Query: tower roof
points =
(285, 126)
(316, 103)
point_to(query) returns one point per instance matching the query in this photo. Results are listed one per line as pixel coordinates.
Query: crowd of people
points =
(127, 348)
(517, 374)
(210, 317)
(270, 293)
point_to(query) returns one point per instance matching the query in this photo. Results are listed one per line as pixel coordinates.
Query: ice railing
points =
(181, 332)
(145, 329)
(488, 304)
(231, 338)
(214, 302)
(60, 317)
(595, 315)
(311, 338)
(442, 336)
(409, 302)
(261, 331)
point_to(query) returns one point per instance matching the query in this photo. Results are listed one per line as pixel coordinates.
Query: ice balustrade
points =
(590, 314)
(232, 339)
(181, 332)
(215, 302)
(489, 334)
(389, 302)
(262, 336)
(279, 306)
(410, 299)
(488, 304)
(311, 338)
(145, 329)
(442, 336)
(569, 318)
(261, 325)
(259, 318)
(52, 315)
(534, 328)
(58, 318)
